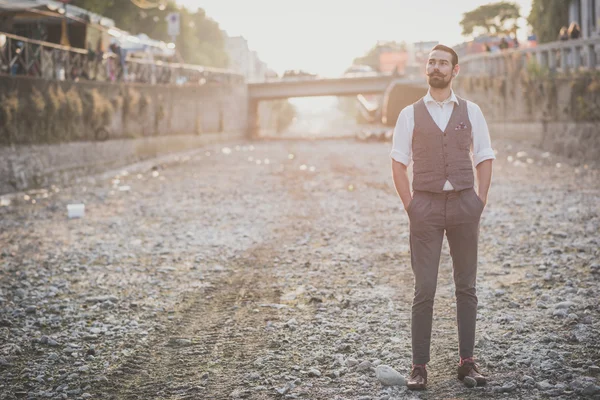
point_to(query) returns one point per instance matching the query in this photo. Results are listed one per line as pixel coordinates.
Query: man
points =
(437, 133)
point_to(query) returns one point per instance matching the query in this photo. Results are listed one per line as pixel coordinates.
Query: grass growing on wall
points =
(51, 114)
(539, 89)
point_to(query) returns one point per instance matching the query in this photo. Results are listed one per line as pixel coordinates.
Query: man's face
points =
(439, 69)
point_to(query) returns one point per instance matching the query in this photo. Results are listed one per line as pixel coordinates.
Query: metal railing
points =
(28, 57)
(560, 56)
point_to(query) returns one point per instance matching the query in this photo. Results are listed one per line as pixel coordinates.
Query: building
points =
(53, 22)
(243, 60)
(587, 14)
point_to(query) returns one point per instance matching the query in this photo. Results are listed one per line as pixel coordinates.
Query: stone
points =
(544, 386)
(508, 387)
(364, 366)
(314, 372)
(565, 304)
(591, 390)
(351, 362)
(101, 299)
(389, 376)
(180, 342)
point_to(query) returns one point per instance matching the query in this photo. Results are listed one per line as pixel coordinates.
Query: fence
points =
(28, 57)
(562, 56)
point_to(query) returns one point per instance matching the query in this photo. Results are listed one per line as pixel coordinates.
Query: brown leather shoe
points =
(417, 379)
(471, 369)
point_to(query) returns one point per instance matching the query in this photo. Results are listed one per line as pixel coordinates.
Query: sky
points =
(324, 36)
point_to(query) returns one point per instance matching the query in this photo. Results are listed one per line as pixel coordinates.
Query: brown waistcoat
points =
(439, 156)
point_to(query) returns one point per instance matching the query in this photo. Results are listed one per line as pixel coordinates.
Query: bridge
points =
(404, 90)
(346, 86)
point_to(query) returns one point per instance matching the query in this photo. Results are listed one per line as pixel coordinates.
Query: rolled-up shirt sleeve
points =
(402, 139)
(482, 144)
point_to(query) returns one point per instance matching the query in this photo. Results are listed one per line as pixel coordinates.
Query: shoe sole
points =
(417, 387)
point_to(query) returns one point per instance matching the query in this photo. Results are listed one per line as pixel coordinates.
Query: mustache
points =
(436, 74)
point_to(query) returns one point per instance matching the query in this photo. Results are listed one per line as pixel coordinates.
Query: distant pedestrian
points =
(503, 44)
(574, 31)
(563, 34)
(437, 134)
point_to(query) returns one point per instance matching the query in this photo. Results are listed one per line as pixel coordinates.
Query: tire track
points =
(204, 353)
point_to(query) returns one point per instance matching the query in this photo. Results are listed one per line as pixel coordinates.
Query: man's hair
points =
(447, 50)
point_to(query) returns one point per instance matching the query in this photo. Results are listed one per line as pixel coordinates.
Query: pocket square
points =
(460, 126)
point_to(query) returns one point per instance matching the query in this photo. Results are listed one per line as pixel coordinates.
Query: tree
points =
(491, 19)
(547, 17)
(285, 112)
(199, 42)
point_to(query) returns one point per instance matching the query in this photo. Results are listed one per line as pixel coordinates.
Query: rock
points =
(284, 390)
(351, 362)
(314, 372)
(565, 304)
(180, 342)
(508, 387)
(4, 362)
(292, 323)
(591, 390)
(560, 312)
(364, 366)
(389, 376)
(31, 310)
(544, 386)
(469, 382)
(101, 299)
(545, 297)
(528, 381)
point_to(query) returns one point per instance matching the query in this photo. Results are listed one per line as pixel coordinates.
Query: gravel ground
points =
(281, 269)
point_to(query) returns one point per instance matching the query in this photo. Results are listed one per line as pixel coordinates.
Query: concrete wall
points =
(54, 111)
(47, 127)
(557, 113)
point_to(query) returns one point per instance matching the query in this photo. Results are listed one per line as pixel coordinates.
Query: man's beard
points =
(437, 81)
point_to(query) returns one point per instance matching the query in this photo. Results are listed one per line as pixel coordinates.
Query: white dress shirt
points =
(481, 147)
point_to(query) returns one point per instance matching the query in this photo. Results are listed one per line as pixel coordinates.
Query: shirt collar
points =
(428, 98)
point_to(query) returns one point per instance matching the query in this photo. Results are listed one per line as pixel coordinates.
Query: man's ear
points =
(455, 70)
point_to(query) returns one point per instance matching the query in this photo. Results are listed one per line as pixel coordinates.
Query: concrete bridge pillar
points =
(253, 120)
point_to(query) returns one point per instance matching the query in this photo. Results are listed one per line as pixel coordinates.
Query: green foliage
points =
(547, 17)
(585, 97)
(98, 109)
(491, 19)
(534, 70)
(285, 112)
(199, 42)
(9, 106)
(37, 102)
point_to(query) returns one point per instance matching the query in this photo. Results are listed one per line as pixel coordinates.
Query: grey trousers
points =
(430, 214)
